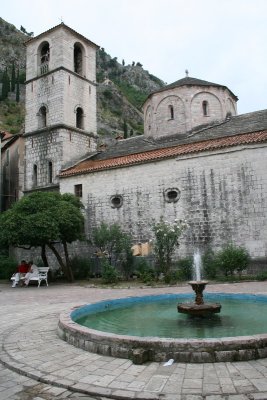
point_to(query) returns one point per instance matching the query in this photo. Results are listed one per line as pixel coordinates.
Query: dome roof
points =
(189, 81)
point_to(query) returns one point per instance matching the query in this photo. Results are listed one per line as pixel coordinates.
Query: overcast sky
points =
(222, 41)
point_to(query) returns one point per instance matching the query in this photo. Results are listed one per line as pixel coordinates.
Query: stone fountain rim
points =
(151, 348)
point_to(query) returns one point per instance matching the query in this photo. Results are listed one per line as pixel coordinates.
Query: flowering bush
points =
(166, 240)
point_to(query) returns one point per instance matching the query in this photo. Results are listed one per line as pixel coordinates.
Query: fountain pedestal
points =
(198, 308)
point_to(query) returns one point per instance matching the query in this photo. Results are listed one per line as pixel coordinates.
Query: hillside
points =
(121, 89)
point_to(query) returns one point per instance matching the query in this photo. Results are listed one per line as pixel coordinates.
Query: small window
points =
(205, 108)
(116, 201)
(172, 195)
(35, 177)
(79, 118)
(50, 172)
(171, 112)
(42, 117)
(78, 190)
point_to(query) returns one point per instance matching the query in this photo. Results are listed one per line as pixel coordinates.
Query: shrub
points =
(209, 264)
(166, 240)
(109, 273)
(145, 272)
(112, 242)
(185, 269)
(81, 267)
(7, 267)
(232, 258)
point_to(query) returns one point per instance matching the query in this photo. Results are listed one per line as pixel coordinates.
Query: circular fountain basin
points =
(235, 346)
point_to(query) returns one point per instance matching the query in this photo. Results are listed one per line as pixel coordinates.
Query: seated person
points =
(22, 270)
(32, 273)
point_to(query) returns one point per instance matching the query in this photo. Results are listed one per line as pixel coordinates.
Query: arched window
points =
(35, 175)
(44, 57)
(42, 117)
(205, 108)
(79, 118)
(78, 59)
(50, 172)
(171, 112)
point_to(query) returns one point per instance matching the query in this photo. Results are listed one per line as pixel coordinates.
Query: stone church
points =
(197, 160)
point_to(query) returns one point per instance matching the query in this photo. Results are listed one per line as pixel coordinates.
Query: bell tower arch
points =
(60, 123)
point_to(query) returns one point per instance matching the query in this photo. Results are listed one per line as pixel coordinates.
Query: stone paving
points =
(36, 364)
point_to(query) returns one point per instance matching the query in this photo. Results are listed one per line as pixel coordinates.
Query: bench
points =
(42, 276)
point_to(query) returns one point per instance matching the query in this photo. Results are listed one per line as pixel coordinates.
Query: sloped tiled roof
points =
(93, 165)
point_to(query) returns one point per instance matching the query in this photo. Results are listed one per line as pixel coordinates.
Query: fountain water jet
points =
(198, 308)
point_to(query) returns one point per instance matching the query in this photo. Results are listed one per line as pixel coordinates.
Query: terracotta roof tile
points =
(91, 165)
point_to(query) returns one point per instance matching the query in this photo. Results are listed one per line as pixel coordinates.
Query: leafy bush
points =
(232, 258)
(109, 273)
(115, 245)
(209, 264)
(81, 267)
(7, 267)
(185, 269)
(145, 272)
(166, 240)
(262, 276)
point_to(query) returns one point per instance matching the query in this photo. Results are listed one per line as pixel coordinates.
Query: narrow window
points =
(50, 172)
(78, 190)
(78, 59)
(44, 58)
(79, 118)
(171, 112)
(35, 175)
(42, 117)
(205, 108)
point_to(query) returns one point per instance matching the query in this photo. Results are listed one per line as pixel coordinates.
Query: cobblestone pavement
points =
(36, 364)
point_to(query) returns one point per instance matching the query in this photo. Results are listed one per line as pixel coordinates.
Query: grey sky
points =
(222, 41)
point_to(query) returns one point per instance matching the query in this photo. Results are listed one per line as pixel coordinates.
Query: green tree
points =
(5, 85)
(44, 219)
(17, 88)
(125, 129)
(13, 77)
(166, 240)
(232, 258)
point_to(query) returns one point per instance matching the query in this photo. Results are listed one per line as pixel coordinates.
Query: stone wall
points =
(222, 196)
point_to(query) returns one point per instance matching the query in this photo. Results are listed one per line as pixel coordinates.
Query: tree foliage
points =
(166, 240)
(44, 219)
(115, 245)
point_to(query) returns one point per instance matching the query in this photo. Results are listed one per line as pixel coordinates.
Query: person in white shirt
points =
(33, 272)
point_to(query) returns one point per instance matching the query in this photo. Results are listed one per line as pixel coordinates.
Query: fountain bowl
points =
(143, 349)
(199, 308)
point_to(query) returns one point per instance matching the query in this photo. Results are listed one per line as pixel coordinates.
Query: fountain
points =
(198, 308)
(129, 328)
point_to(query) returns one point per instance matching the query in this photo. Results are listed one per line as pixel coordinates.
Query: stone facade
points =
(186, 104)
(221, 194)
(60, 123)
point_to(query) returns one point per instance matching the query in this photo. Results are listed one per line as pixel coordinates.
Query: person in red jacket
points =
(22, 270)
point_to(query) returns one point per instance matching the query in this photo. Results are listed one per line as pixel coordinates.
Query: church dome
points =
(185, 104)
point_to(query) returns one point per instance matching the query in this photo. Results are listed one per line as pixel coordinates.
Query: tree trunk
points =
(68, 266)
(60, 261)
(43, 255)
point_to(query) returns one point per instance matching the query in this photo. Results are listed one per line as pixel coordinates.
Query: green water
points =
(161, 319)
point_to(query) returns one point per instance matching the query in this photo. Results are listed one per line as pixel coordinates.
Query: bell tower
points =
(60, 123)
